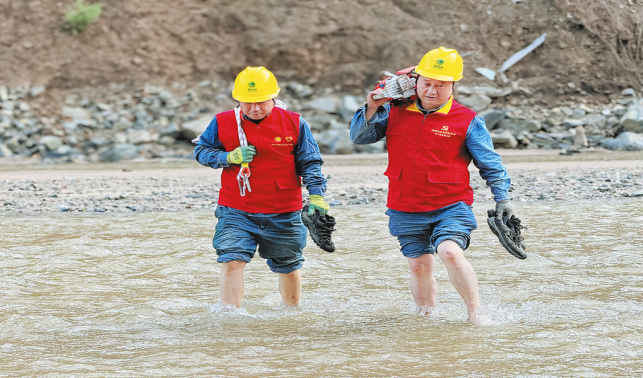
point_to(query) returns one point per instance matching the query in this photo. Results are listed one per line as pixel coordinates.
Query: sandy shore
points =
(28, 187)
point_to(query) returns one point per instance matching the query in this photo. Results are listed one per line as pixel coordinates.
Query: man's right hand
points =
(241, 155)
(372, 105)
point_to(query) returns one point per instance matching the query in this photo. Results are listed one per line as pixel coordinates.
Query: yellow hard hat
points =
(255, 84)
(441, 64)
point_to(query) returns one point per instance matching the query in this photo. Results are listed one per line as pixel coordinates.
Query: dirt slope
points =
(595, 44)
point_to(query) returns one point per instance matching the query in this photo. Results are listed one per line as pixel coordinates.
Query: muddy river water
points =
(136, 294)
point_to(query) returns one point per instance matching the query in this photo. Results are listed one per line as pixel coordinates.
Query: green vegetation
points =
(80, 16)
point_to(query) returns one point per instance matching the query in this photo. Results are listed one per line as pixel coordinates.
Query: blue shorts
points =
(421, 233)
(281, 238)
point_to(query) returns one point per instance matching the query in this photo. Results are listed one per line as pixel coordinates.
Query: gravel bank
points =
(352, 180)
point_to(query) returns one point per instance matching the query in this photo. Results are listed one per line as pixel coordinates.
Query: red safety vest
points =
(276, 187)
(428, 158)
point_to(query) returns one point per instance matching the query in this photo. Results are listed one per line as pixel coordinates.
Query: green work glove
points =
(241, 155)
(317, 203)
(504, 207)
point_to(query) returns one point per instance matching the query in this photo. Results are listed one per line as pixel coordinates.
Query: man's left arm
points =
(489, 163)
(308, 163)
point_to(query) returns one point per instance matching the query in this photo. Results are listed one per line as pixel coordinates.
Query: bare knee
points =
(451, 254)
(421, 266)
(234, 266)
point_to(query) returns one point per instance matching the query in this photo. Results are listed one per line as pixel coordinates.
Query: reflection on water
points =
(136, 295)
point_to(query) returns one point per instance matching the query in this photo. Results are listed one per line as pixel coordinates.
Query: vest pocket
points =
(445, 183)
(394, 175)
(286, 183)
(395, 138)
(446, 177)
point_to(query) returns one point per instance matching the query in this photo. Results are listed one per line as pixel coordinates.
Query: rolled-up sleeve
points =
(487, 160)
(308, 161)
(363, 131)
(209, 150)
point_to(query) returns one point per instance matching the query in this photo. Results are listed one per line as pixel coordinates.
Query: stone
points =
(627, 141)
(347, 107)
(205, 83)
(122, 151)
(488, 91)
(492, 117)
(572, 123)
(4, 93)
(140, 136)
(36, 91)
(51, 142)
(517, 126)
(503, 138)
(192, 129)
(328, 104)
(632, 120)
(167, 140)
(5, 151)
(74, 113)
(476, 101)
(580, 139)
(628, 92)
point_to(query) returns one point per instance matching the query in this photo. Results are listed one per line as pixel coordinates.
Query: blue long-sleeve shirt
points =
(210, 152)
(477, 140)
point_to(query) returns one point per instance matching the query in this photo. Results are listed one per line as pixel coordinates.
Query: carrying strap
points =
(244, 171)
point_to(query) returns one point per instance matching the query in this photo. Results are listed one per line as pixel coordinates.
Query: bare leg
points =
(290, 287)
(231, 282)
(423, 286)
(461, 274)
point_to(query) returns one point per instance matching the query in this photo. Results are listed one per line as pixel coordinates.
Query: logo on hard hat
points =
(438, 64)
(251, 87)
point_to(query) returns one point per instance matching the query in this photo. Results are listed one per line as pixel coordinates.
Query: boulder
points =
(192, 129)
(51, 142)
(476, 101)
(122, 151)
(74, 113)
(503, 138)
(517, 126)
(632, 120)
(327, 104)
(627, 141)
(492, 117)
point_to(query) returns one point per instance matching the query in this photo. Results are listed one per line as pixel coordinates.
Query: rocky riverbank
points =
(117, 124)
(352, 180)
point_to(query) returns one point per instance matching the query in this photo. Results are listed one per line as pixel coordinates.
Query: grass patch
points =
(81, 15)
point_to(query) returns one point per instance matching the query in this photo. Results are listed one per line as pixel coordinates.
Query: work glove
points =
(242, 155)
(504, 208)
(317, 203)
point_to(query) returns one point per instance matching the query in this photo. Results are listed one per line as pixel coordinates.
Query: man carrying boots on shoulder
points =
(263, 150)
(431, 142)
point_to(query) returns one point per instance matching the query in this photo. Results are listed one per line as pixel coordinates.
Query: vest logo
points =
(277, 139)
(288, 139)
(251, 87)
(443, 132)
(445, 128)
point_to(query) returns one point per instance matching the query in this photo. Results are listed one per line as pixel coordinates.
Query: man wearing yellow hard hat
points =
(431, 139)
(265, 152)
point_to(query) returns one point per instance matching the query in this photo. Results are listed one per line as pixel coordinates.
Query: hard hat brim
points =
(435, 76)
(257, 97)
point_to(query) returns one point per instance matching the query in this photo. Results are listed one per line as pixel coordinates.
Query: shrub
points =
(80, 16)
